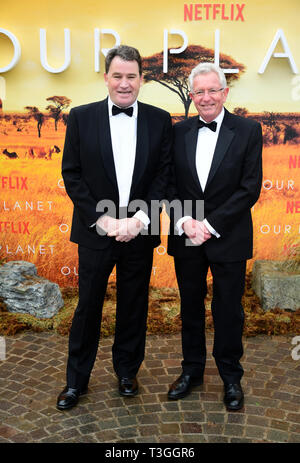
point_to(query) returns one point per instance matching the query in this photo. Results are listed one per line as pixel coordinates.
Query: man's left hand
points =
(196, 231)
(127, 229)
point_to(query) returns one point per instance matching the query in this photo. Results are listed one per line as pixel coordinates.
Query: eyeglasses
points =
(211, 92)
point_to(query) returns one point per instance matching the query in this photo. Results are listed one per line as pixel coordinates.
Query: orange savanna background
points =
(34, 200)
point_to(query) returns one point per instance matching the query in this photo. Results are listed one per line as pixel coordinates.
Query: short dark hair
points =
(124, 52)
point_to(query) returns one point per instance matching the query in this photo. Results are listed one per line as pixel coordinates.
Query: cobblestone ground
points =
(33, 374)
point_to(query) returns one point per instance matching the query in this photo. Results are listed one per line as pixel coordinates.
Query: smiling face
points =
(123, 81)
(207, 104)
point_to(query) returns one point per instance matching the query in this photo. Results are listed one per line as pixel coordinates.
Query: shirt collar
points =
(218, 119)
(134, 105)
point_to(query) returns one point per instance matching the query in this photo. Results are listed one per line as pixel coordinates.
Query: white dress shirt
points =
(206, 144)
(123, 130)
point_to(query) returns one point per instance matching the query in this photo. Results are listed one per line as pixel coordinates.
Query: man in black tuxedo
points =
(217, 159)
(116, 151)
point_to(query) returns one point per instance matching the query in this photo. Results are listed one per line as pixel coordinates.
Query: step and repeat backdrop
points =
(52, 59)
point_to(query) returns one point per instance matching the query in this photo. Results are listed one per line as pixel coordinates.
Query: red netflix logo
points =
(13, 183)
(293, 207)
(294, 162)
(207, 11)
(15, 227)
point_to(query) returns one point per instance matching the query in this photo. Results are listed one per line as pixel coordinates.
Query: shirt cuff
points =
(179, 224)
(140, 215)
(211, 229)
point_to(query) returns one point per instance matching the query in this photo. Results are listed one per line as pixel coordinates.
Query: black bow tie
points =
(211, 125)
(116, 110)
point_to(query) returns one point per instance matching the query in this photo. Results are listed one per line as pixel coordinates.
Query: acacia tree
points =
(179, 68)
(270, 120)
(243, 112)
(37, 115)
(60, 103)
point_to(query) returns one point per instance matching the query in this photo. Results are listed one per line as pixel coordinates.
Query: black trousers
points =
(227, 312)
(133, 272)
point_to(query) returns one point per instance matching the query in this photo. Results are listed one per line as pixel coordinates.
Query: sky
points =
(142, 24)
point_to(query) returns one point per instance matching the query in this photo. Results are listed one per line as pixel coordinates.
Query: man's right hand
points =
(107, 223)
(196, 231)
(122, 229)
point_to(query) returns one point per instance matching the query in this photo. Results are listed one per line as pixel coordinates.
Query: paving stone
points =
(191, 428)
(38, 434)
(233, 430)
(238, 418)
(152, 408)
(275, 413)
(280, 425)
(169, 428)
(34, 373)
(239, 440)
(254, 432)
(197, 417)
(149, 418)
(88, 428)
(127, 420)
(19, 438)
(67, 434)
(194, 438)
(169, 417)
(293, 417)
(216, 418)
(169, 439)
(217, 439)
(275, 435)
(294, 438)
(85, 419)
(7, 431)
(128, 432)
(108, 424)
(213, 428)
(107, 436)
(172, 406)
(257, 420)
(148, 430)
(189, 405)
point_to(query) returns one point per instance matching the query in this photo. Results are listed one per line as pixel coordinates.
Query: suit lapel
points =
(142, 147)
(191, 138)
(225, 137)
(104, 142)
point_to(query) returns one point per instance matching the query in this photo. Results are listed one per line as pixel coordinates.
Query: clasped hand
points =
(196, 231)
(122, 229)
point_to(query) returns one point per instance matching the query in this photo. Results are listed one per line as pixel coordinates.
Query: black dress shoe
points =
(233, 397)
(69, 397)
(182, 386)
(128, 387)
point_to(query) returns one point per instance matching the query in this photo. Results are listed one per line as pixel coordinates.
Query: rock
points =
(277, 284)
(23, 291)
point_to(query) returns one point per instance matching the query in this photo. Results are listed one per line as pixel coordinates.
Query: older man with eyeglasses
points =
(217, 159)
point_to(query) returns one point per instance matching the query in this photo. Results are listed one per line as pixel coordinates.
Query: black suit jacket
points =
(89, 172)
(233, 186)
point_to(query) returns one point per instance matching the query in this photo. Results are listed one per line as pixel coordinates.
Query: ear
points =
(226, 91)
(105, 78)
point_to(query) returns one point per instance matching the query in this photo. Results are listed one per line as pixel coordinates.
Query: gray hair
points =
(206, 68)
